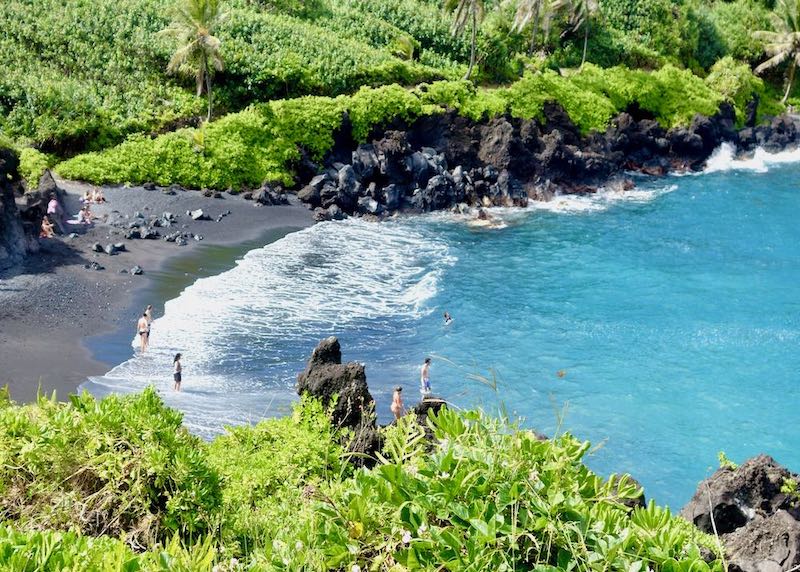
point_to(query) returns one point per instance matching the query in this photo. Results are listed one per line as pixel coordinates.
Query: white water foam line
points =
(724, 158)
(315, 281)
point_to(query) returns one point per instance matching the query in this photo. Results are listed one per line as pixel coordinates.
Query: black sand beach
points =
(50, 306)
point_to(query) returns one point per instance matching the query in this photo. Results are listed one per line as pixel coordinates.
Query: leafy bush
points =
(120, 466)
(32, 164)
(735, 82)
(50, 551)
(483, 495)
(265, 469)
(735, 23)
(263, 142)
(488, 496)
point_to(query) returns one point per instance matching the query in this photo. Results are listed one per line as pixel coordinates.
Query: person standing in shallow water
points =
(397, 402)
(425, 378)
(148, 313)
(176, 372)
(143, 329)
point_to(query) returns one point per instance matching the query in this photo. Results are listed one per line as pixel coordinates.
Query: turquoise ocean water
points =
(672, 312)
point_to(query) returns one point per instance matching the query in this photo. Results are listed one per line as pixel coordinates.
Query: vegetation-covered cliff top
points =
(83, 76)
(119, 484)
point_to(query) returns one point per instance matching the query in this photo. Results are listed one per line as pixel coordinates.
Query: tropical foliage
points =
(783, 42)
(263, 142)
(198, 50)
(482, 495)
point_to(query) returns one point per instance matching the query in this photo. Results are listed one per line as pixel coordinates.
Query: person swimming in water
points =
(447, 318)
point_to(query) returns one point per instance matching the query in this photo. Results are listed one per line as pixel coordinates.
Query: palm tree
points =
(783, 43)
(466, 11)
(197, 53)
(532, 10)
(580, 15)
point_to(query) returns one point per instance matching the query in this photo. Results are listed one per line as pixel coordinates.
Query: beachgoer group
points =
(94, 196)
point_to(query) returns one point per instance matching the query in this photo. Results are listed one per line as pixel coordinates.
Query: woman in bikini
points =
(397, 402)
(143, 328)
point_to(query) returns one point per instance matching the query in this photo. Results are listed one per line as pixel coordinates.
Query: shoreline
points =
(166, 283)
(55, 312)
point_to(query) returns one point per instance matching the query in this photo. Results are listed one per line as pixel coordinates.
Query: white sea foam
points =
(724, 158)
(271, 307)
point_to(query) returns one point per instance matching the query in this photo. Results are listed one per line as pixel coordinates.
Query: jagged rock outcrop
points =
(17, 238)
(450, 162)
(326, 376)
(759, 525)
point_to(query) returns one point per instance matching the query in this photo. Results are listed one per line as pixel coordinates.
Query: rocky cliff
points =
(447, 161)
(15, 242)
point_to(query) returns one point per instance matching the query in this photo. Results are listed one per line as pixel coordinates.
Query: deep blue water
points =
(672, 313)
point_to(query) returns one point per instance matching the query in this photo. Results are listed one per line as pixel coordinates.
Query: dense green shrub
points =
(486, 497)
(32, 164)
(735, 23)
(123, 466)
(264, 141)
(51, 551)
(265, 469)
(483, 495)
(736, 82)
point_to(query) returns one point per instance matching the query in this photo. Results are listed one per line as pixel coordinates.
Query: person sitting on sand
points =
(55, 213)
(424, 378)
(176, 372)
(142, 328)
(85, 216)
(447, 319)
(97, 196)
(86, 198)
(47, 228)
(397, 402)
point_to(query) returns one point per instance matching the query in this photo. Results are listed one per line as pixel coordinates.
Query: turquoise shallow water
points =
(672, 311)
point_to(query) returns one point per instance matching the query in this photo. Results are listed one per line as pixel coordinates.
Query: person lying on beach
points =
(397, 402)
(142, 328)
(47, 228)
(176, 372)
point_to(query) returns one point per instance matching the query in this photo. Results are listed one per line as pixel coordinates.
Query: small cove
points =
(671, 311)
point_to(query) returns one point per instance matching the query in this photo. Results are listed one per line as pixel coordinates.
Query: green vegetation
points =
(262, 142)
(88, 82)
(119, 485)
(782, 43)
